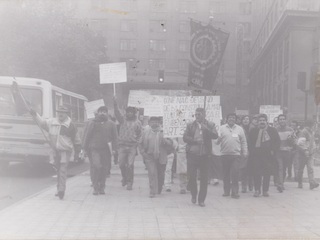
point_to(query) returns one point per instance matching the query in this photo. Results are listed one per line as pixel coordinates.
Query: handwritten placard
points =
(92, 107)
(272, 111)
(177, 112)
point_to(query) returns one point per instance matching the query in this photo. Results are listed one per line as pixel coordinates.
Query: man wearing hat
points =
(129, 137)
(98, 133)
(63, 135)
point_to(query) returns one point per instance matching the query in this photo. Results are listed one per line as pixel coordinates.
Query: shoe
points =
(193, 200)
(102, 192)
(183, 191)
(235, 196)
(201, 204)
(256, 194)
(152, 195)
(168, 190)
(95, 192)
(300, 185)
(265, 194)
(314, 185)
(129, 187)
(279, 188)
(61, 194)
(226, 195)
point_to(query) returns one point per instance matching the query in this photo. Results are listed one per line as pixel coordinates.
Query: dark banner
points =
(206, 51)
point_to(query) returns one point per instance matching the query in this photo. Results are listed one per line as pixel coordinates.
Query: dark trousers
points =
(258, 181)
(101, 162)
(230, 174)
(195, 162)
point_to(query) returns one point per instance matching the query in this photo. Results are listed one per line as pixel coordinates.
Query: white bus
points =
(21, 140)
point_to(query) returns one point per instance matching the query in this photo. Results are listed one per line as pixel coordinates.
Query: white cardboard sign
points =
(113, 72)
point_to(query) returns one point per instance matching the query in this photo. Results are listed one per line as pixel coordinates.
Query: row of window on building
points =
(272, 75)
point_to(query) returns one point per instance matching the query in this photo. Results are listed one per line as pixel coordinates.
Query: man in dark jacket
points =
(97, 135)
(264, 144)
(198, 136)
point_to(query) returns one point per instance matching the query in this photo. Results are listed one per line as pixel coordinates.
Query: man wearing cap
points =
(129, 136)
(97, 135)
(63, 135)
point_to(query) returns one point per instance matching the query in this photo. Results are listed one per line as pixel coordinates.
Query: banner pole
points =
(114, 89)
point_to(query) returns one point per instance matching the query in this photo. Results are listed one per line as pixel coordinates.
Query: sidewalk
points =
(122, 214)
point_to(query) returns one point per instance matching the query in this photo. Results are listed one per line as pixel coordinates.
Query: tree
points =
(43, 41)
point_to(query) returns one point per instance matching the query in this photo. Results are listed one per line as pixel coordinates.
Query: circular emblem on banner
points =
(205, 49)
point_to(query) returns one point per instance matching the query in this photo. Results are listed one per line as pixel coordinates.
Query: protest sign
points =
(177, 112)
(272, 111)
(113, 72)
(138, 98)
(154, 106)
(92, 107)
(213, 110)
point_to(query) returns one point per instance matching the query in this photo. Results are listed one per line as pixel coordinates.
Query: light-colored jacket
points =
(63, 143)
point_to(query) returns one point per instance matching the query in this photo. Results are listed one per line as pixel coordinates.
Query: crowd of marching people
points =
(243, 152)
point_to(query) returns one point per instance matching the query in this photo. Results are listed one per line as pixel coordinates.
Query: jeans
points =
(263, 180)
(195, 162)
(156, 175)
(127, 154)
(62, 169)
(101, 160)
(168, 172)
(183, 181)
(284, 159)
(305, 161)
(230, 174)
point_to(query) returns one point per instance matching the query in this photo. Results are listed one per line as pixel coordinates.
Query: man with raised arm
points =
(129, 137)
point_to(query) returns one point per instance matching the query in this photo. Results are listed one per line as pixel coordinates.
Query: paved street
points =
(21, 180)
(122, 214)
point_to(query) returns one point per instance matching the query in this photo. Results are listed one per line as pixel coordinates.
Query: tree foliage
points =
(47, 42)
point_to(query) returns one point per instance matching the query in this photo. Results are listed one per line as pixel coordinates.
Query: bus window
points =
(81, 110)
(8, 105)
(74, 109)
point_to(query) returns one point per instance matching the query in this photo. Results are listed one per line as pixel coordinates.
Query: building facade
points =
(285, 47)
(153, 35)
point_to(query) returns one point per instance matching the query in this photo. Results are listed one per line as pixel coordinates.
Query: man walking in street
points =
(306, 149)
(284, 157)
(98, 133)
(198, 136)
(63, 136)
(234, 150)
(264, 143)
(129, 136)
(154, 149)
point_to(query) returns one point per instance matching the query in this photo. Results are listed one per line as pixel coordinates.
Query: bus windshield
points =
(8, 106)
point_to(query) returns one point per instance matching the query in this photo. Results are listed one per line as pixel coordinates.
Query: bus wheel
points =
(4, 166)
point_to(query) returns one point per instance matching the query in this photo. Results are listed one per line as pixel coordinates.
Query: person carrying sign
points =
(63, 136)
(198, 136)
(129, 136)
